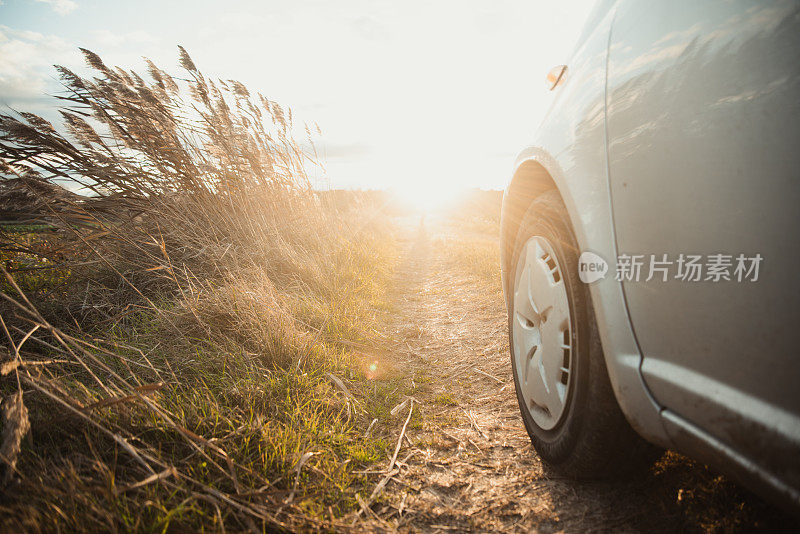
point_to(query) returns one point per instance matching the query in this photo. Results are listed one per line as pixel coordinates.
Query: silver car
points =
(650, 245)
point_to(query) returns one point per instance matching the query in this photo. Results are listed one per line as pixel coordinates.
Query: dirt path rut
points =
(466, 463)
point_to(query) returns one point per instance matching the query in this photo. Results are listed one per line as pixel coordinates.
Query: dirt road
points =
(466, 463)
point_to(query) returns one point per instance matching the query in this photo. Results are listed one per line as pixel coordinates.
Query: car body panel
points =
(702, 118)
(728, 419)
(574, 136)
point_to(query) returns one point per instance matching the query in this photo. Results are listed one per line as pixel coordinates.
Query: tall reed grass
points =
(184, 317)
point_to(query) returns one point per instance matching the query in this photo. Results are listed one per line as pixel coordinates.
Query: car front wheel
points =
(562, 385)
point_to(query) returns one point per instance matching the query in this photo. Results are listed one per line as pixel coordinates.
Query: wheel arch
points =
(530, 179)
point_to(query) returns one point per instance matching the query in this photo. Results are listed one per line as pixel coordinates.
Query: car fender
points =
(589, 208)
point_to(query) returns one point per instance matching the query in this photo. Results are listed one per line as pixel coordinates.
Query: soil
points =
(465, 462)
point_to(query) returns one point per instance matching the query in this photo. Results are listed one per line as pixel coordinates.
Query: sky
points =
(408, 93)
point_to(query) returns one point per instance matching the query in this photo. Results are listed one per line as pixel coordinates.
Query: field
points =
(206, 342)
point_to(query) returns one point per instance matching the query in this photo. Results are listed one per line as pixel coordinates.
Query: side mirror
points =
(556, 77)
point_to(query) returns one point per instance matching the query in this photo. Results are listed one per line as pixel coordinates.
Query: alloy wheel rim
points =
(542, 333)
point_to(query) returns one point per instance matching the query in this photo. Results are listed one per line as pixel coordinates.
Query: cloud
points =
(26, 59)
(108, 38)
(62, 7)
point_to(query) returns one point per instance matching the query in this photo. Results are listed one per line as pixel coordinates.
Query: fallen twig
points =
(472, 420)
(369, 428)
(490, 376)
(170, 471)
(147, 388)
(390, 471)
(400, 439)
(298, 468)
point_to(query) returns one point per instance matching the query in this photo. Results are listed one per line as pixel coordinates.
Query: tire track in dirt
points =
(467, 464)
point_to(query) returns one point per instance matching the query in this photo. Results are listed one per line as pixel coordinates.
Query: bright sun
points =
(425, 197)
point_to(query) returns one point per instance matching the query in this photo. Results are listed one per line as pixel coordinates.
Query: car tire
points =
(590, 437)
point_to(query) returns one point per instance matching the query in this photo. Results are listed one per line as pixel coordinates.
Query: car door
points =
(703, 125)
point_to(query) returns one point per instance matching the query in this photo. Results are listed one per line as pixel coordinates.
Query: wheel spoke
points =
(552, 343)
(549, 294)
(523, 299)
(534, 384)
(541, 323)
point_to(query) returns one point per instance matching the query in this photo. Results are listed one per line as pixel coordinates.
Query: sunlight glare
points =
(424, 197)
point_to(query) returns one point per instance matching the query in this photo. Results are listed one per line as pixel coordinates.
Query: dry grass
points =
(474, 255)
(470, 241)
(181, 336)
